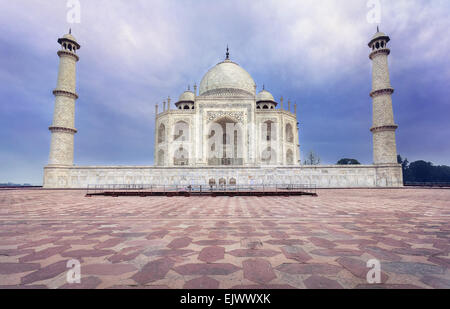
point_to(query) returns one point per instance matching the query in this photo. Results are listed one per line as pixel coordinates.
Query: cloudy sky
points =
(136, 53)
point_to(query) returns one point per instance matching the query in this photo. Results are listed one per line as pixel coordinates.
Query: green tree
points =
(348, 162)
(405, 167)
(422, 171)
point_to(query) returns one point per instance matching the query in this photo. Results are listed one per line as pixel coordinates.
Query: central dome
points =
(229, 78)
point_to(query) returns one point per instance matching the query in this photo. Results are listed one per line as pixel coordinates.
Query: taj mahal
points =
(225, 132)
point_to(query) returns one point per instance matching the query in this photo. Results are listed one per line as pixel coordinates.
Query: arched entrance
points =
(289, 157)
(269, 156)
(225, 146)
(161, 158)
(181, 157)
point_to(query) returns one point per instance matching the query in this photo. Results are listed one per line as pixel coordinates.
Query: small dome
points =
(377, 36)
(227, 77)
(265, 96)
(69, 37)
(187, 96)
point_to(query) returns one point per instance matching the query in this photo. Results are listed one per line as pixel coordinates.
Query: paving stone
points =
(440, 261)
(361, 242)
(336, 252)
(107, 269)
(358, 268)
(117, 258)
(392, 242)
(381, 253)
(201, 283)
(129, 235)
(318, 282)
(38, 243)
(321, 242)
(75, 242)
(169, 252)
(15, 268)
(253, 253)
(180, 243)
(251, 243)
(215, 242)
(15, 252)
(442, 244)
(416, 251)
(435, 282)
(295, 253)
(153, 271)
(211, 254)
(192, 229)
(157, 234)
(309, 269)
(44, 273)
(112, 242)
(388, 225)
(206, 269)
(85, 283)
(388, 286)
(23, 287)
(86, 253)
(258, 270)
(279, 234)
(410, 268)
(285, 242)
(43, 254)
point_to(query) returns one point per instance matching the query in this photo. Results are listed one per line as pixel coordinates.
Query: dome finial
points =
(70, 30)
(228, 53)
(378, 29)
(264, 87)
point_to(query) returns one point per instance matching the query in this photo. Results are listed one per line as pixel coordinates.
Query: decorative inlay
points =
(65, 93)
(61, 129)
(381, 91)
(274, 120)
(238, 116)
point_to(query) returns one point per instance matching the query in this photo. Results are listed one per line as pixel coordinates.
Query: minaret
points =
(63, 126)
(384, 127)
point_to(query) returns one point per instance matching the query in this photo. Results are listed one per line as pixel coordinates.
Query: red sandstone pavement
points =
(240, 242)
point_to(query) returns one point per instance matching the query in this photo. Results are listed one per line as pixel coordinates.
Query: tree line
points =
(422, 171)
(417, 171)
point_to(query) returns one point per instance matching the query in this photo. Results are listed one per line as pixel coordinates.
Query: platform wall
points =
(361, 176)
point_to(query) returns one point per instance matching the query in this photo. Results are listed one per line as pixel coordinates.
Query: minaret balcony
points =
(70, 94)
(62, 129)
(393, 127)
(62, 53)
(382, 51)
(379, 92)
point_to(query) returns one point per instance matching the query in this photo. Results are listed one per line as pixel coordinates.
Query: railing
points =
(199, 189)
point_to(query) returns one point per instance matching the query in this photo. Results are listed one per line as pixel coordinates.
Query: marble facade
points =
(262, 146)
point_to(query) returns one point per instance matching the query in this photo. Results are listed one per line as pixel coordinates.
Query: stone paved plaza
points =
(240, 242)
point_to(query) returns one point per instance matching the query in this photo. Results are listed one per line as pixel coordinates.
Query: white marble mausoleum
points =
(224, 132)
